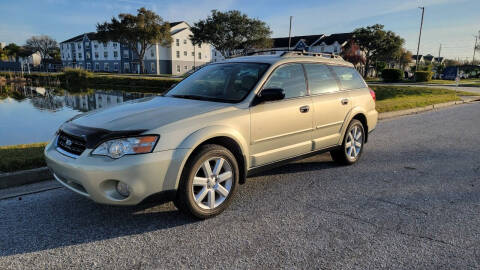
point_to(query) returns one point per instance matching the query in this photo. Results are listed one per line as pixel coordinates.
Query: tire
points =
(347, 155)
(204, 196)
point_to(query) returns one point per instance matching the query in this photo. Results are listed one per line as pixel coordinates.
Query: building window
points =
(185, 53)
(97, 66)
(185, 67)
(152, 67)
(178, 54)
(79, 45)
(96, 55)
(114, 45)
(115, 66)
(178, 68)
(115, 54)
(215, 53)
(184, 41)
(125, 54)
(152, 53)
(87, 55)
(193, 54)
(126, 67)
(104, 44)
(106, 67)
(199, 55)
(95, 45)
(200, 46)
(89, 66)
(177, 42)
(105, 54)
(87, 45)
(79, 55)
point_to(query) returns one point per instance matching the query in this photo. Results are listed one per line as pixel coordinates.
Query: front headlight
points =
(117, 148)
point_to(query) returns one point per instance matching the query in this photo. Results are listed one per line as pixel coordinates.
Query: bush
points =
(392, 75)
(423, 76)
(75, 75)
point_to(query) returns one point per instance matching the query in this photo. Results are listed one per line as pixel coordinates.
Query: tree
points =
(42, 44)
(12, 50)
(378, 44)
(231, 31)
(404, 58)
(139, 32)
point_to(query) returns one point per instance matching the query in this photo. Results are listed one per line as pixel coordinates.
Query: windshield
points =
(225, 82)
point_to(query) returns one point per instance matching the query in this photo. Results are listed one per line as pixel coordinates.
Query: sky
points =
(452, 23)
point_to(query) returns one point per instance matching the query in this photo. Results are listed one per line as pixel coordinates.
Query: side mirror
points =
(270, 94)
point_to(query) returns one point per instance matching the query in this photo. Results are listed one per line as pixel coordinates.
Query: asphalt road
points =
(412, 202)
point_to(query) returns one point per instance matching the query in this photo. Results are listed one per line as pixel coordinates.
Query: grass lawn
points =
(394, 98)
(21, 157)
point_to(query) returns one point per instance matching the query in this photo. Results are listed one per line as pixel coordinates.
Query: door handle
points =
(304, 109)
(345, 101)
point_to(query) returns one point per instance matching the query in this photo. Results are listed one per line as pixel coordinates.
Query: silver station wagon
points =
(196, 143)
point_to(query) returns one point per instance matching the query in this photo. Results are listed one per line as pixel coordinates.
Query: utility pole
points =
(290, 34)
(474, 50)
(419, 38)
(439, 51)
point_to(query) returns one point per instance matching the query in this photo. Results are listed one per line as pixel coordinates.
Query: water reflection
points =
(55, 99)
(32, 114)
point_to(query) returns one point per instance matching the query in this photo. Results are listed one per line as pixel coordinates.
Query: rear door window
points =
(320, 79)
(349, 78)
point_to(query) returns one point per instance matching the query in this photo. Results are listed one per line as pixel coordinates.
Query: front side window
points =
(349, 78)
(320, 79)
(225, 82)
(290, 78)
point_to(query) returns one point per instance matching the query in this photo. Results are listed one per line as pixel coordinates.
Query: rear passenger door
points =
(331, 105)
(282, 129)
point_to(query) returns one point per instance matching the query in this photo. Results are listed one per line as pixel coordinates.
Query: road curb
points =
(19, 178)
(388, 115)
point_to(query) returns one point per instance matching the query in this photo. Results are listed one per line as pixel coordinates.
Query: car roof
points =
(278, 59)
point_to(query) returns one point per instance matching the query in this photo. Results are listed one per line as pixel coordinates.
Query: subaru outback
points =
(197, 142)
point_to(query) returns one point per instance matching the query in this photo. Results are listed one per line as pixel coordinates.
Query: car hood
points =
(146, 113)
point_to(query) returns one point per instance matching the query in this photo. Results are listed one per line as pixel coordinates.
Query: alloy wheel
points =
(212, 183)
(354, 142)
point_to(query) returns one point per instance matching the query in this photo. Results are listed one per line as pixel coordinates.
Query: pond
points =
(30, 114)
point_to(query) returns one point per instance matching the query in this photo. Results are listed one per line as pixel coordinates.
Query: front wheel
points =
(208, 182)
(352, 146)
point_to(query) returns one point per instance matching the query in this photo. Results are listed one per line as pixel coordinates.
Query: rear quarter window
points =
(320, 79)
(349, 78)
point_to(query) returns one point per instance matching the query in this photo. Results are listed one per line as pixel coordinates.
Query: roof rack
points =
(307, 53)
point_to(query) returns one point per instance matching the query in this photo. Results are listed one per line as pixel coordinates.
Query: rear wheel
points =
(352, 146)
(208, 182)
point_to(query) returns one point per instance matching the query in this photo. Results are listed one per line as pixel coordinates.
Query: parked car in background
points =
(201, 139)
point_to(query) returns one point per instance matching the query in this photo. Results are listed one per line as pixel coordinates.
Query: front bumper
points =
(96, 176)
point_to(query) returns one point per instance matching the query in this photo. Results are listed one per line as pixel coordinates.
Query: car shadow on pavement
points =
(60, 218)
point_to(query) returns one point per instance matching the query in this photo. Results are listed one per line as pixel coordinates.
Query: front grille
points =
(71, 144)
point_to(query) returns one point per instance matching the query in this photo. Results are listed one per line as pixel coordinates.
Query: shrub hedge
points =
(423, 76)
(392, 75)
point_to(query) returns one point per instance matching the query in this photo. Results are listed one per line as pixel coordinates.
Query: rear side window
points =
(349, 78)
(320, 79)
(290, 78)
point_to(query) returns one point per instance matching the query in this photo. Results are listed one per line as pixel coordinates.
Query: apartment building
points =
(87, 52)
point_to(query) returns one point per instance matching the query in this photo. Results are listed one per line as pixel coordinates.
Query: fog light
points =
(123, 189)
